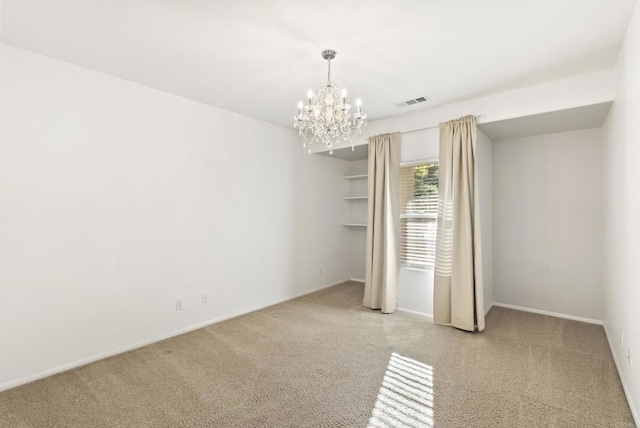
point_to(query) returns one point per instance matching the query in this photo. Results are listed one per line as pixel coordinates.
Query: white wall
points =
(415, 291)
(416, 286)
(484, 153)
(622, 216)
(419, 143)
(117, 199)
(577, 91)
(547, 222)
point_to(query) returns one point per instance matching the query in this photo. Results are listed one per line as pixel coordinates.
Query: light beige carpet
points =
(325, 361)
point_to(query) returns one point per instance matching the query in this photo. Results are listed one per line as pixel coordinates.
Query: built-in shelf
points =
(355, 200)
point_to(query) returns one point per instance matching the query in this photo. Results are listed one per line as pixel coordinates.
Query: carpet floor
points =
(323, 360)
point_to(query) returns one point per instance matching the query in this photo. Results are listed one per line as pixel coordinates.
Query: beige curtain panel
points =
(458, 290)
(383, 225)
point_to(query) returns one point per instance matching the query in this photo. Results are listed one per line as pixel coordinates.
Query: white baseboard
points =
(416, 313)
(356, 280)
(84, 361)
(551, 314)
(634, 412)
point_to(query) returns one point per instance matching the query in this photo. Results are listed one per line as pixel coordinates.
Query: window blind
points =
(418, 214)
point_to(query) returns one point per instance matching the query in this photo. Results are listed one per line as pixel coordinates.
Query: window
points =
(418, 214)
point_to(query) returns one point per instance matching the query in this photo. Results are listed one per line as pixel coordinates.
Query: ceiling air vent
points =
(412, 102)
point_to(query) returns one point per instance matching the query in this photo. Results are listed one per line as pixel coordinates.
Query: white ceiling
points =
(259, 58)
(347, 153)
(584, 117)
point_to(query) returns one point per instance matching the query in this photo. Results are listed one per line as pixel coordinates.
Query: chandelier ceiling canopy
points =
(327, 118)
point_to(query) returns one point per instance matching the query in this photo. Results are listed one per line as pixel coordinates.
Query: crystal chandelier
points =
(326, 118)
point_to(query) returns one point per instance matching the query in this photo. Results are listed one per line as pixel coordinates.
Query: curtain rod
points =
(477, 116)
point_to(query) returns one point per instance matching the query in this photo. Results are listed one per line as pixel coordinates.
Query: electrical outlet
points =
(178, 305)
(205, 299)
(629, 356)
(621, 338)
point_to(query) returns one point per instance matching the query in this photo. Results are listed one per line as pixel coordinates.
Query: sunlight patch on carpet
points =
(405, 399)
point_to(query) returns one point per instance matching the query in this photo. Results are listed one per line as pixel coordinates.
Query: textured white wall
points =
(622, 216)
(547, 216)
(117, 199)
